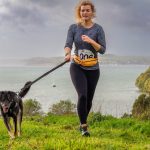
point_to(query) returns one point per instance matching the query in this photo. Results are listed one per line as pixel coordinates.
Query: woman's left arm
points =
(101, 40)
(87, 39)
(99, 46)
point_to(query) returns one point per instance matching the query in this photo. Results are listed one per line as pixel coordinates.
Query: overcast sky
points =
(33, 28)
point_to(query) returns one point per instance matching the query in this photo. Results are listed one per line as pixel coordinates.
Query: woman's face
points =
(86, 12)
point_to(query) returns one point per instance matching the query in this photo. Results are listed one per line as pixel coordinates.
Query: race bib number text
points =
(85, 54)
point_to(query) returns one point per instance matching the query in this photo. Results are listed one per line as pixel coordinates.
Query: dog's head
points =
(7, 100)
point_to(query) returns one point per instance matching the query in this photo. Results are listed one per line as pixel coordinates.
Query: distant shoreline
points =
(107, 59)
(49, 66)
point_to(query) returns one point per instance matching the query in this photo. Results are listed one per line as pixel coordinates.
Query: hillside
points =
(104, 59)
(143, 81)
(55, 132)
(107, 59)
(123, 60)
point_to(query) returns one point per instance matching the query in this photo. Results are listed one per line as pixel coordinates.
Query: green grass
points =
(61, 133)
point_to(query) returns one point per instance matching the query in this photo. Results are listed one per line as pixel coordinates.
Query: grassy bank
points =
(61, 132)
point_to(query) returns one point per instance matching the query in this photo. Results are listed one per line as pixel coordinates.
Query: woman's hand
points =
(68, 57)
(67, 54)
(87, 39)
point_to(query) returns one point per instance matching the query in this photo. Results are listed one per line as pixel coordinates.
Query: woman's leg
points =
(80, 83)
(92, 79)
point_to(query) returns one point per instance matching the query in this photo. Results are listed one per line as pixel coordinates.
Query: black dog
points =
(11, 105)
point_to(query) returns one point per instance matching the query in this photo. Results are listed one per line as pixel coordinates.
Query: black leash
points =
(48, 72)
(28, 84)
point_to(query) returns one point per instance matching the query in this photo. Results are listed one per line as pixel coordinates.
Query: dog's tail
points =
(25, 89)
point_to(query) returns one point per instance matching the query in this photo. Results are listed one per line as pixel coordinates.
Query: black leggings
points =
(85, 82)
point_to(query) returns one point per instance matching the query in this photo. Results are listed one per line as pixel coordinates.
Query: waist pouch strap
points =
(87, 62)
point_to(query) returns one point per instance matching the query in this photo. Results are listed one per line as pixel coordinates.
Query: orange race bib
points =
(85, 58)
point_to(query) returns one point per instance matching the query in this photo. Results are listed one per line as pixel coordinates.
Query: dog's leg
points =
(9, 124)
(6, 121)
(11, 135)
(19, 117)
(15, 125)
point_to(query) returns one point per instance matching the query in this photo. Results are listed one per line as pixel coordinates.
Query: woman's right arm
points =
(67, 54)
(69, 43)
(101, 41)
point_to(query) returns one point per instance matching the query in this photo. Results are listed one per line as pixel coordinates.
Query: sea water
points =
(115, 92)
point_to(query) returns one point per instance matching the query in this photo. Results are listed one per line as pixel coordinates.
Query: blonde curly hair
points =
(78, 8)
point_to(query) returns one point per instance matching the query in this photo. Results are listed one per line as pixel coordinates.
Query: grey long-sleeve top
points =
(95, 32)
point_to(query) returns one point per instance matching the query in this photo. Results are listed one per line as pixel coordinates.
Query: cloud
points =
(134, 14)
(20, 13)
(23, 14)
(126, 24)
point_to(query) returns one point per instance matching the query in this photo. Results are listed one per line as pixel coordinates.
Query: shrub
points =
(98, 117)
(63, 107)
(141, 107)
(147, 86)
(126, 115)
(143, 81)
(31, 107)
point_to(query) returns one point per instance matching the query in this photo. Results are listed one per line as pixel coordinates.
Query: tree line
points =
(141, 106)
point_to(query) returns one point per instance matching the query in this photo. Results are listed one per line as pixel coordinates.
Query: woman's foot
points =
(84, 131)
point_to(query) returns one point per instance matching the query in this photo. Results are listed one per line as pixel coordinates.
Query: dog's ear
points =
(2, 93)
(11, 95)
